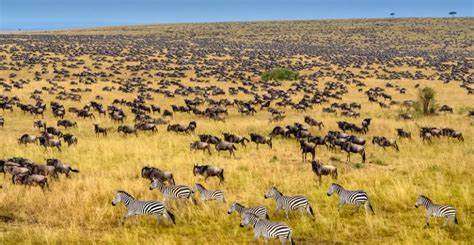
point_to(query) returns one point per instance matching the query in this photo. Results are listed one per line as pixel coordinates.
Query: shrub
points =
(279, 74)
(426, 103)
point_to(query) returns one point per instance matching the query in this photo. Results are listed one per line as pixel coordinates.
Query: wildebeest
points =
(182, 129)
(320, 170)
(403, 134)
(313, 122)
(152, 173)
(208, 171)
(384, 142)
(66, 123)
(126, 129)
(211, 139)
(70, 139)
(2, 121)
(353, 148)
(31, 179)
(61, 167)
(306, 148)
(259, 139)
(26, 139)
(199, 145)
(46, 142)
(235, 138)
(100, 130)
(226, 146)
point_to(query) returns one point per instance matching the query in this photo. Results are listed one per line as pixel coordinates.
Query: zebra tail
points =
(74, 170)
(221, 174)
(369, 206)
(456, 220)
(310, 209)
(171, 215)
(291, 239)
(363, 156)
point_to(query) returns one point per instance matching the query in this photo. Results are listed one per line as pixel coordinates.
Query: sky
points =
(63, 14)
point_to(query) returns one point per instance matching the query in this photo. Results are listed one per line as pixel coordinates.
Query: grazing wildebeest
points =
(259, 139)
(199, 145)
(353, 148)
(182, 129)
(384, 142)
(208, 171)
(126, 129)
(306, 148)
(320, 170)
(99, 130)
(313, 122)
(146, 127)
(226, 146)
(27, 139)
(366, 124)
(61, 167)
(152, 173)
(403, 134)
(66, 123)
(235, 139)
(70, 139)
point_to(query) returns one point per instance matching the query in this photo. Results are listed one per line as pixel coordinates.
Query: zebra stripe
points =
(436, 210)
(207, 195)
(357, 197)
(174, 191)
(289, 203)
(137, 207)
(267, 229)
(259, 211)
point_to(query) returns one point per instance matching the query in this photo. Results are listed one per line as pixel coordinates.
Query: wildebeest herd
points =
(200, 97)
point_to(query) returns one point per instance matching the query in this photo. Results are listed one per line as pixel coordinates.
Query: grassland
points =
(79, 210)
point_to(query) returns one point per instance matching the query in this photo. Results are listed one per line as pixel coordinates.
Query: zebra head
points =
(121, 196)
(422, 200)
(156, 183)
(233, 207)
(272, 192)
(333, 188)
(248, 219)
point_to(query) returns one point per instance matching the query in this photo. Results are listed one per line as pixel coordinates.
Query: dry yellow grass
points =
(79, 210)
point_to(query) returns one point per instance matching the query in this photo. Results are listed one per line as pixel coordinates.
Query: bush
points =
(279, 74)
(426, 103)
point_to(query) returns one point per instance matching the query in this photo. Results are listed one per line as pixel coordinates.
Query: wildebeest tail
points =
(74, 170)
(363, 156)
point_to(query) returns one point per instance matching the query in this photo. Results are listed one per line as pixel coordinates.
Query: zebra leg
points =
(427, 221)
(286, 214)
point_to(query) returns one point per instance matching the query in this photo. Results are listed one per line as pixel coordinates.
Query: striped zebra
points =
(137, 207)
(357, 197)
(259, 211)
(267, 229)
(436, 210)
(207, 195)
(173, 191)
(289, 203)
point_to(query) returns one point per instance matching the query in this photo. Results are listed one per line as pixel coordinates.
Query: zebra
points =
(174, 191)
(267, 229)
(357, 197)
(436, 210)
(289, 203)
(260, 211)
(137, 207)
(207, 195)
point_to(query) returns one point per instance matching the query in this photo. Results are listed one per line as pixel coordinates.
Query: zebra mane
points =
(425, 198)
(125, 193)
(277, 191)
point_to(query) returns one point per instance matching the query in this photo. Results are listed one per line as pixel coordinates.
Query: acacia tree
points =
(426, 103)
